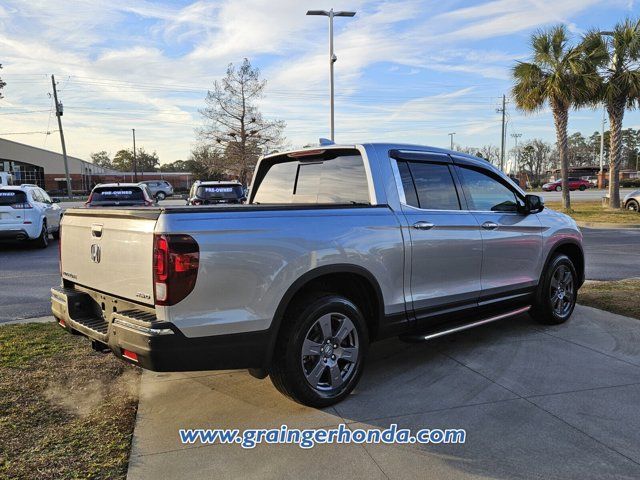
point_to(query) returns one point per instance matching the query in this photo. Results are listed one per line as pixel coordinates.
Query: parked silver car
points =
(337, 247)
(631, 201)
(160, 189)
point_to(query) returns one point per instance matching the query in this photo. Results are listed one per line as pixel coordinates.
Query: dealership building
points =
(45, 168)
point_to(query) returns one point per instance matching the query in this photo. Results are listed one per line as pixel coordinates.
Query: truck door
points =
(512, 241)
(446, 245)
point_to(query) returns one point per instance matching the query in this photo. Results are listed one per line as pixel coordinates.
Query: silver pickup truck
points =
(338, 246)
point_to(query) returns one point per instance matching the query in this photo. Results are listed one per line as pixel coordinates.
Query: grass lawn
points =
(593, 212)
(619, 297)
(65, 410)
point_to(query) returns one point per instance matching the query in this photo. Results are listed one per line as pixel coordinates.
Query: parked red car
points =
(574, 184)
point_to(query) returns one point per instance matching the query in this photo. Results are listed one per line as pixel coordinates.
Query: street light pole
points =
(135, 158)
(517, 136)
(332, 58)
(451, 135)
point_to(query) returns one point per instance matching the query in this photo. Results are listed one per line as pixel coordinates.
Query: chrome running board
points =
(448, 329)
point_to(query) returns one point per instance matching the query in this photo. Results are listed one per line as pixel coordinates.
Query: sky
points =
(407, 70)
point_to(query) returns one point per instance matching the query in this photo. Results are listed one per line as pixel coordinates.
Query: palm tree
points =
(561, 76)
(618, 54)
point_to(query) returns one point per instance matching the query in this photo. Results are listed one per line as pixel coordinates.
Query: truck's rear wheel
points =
(320, 354)
(558, 292)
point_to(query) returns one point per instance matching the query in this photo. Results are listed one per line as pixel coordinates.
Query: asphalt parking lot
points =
(536, 402)
(587, 196)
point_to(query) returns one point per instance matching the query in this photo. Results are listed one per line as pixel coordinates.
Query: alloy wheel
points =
(330, 352)
(562, 292)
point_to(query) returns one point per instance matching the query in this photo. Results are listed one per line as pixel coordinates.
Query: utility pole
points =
(451, 135)
(64, 147)
(332, 58)
(601, 181)
(602, 142)
(502, 140)
(135, 158)
(517, 136)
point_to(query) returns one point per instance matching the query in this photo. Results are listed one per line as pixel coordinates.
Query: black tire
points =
(160, 196)
(56, 234)
(290, 370)
(582, 188)
(43, 240)
(633, 206)
(556, 300)
(558, 188)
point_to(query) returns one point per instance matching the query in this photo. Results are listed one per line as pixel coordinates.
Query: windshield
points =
(117, 194)
(220, 192)
(11, 197)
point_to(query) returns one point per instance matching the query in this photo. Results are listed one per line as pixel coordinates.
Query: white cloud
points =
(147, 65)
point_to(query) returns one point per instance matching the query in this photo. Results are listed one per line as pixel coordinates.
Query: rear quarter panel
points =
(248, 261)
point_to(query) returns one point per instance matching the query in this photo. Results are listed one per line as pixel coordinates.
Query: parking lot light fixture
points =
(332, 57)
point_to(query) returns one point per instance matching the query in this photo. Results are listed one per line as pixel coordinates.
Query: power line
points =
(47, 132)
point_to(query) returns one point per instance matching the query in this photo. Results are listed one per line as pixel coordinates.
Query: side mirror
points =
(55, 200)
(533, 204)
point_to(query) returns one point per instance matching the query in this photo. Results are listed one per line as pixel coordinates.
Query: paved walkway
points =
(537, 402)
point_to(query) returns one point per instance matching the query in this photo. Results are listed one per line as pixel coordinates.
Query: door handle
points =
(489, 225)
(96, 230)
(423, 225)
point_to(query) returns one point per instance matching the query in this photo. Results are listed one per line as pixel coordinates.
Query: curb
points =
(604, 225)
(29, 320)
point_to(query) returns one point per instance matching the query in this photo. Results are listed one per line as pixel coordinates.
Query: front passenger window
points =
(485, 193)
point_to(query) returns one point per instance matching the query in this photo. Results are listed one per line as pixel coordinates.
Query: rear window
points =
(220, 192)
(341, 179)
(117, 194)
(10, 197)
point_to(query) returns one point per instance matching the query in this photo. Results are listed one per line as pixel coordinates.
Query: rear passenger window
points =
(410, 194)
(485, 193)
(429, 186)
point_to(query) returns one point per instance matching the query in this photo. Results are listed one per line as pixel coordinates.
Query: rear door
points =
(512, 241)
(446, 245)
(50, 211)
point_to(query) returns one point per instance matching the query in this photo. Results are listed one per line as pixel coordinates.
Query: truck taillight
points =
(88, 202)
(175, 267)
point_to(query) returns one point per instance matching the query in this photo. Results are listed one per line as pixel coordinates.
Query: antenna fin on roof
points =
(326, 141)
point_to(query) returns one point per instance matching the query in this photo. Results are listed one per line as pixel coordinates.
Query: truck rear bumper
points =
(138, 338)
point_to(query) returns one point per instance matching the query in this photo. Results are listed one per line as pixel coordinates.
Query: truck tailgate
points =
(110, 251)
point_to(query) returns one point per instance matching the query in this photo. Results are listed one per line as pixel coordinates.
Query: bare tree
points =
(236, 129)
(491, 154)
(535, 158)
(2, 84)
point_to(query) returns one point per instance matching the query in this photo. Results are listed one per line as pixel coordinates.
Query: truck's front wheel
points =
(320, 354)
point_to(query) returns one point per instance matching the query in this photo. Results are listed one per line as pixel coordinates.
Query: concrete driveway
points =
(536, 402)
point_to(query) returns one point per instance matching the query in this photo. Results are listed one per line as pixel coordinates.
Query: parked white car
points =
(28, 213)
